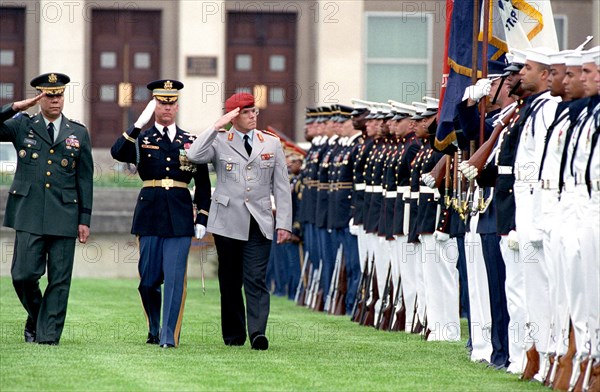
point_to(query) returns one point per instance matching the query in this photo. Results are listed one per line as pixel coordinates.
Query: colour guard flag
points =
(519, 24)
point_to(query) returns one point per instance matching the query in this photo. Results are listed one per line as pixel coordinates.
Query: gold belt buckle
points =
(166, 183)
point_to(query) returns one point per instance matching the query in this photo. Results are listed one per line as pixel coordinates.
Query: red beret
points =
(239, 100)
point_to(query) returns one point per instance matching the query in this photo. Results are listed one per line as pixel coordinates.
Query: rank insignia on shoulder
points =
(268, 156)
(229, 167)
(77, 122)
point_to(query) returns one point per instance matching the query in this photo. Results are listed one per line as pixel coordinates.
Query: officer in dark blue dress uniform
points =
(164, 215)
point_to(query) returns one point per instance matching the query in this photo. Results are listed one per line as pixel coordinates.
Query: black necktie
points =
(247, 145)
(51, 131)
(166, 133)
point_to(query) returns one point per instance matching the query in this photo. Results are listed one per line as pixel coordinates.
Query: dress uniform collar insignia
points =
(230, 136)
(260, 137)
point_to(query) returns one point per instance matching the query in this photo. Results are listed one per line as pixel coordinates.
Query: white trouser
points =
(588, 218)
(515, 299)
(413, 256)
(382, 264)
(575, 278)
(408, 264)
(441, 288)
(479, 295)
(550, 221)
(535, 272)
(362, 247)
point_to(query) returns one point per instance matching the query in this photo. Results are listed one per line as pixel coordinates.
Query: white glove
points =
(478, 91)
(470, 172)
(537, 238)
(513, 240)
(440, 236)
(352, 227)
(199, 231)
(146, 115)
(428, 180)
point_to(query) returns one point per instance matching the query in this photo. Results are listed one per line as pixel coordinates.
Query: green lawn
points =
(103, 348)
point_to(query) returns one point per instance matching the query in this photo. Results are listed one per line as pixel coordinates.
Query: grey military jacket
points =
(245, 183)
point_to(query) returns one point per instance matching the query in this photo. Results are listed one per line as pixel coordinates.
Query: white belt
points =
(391, 194)
(549, 184)
(505, 170)
(403, 189)
(426, 189)
(369, 189)
(359, 187)
(377, 189)
(414, 195)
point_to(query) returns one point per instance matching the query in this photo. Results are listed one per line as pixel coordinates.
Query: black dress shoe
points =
(29, 334)
(51, 343)
(152, 339)
(260, 342)
(239, 341)
(166, 345)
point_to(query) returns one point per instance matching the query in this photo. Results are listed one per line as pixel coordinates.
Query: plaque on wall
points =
(201, 66)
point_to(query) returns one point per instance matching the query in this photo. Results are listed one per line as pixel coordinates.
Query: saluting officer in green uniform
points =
(49, 203)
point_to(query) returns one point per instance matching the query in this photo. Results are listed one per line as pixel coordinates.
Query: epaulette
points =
(24, 114)
(267, 132)
(77, 122)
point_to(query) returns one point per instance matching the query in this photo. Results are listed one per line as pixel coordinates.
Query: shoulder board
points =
(266, 132)
(77, 122)
(22, 114)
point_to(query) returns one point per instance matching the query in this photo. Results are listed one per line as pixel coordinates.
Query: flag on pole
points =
(519, 24)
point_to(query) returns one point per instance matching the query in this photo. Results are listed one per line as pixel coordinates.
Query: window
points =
(560, 24)
(398, 56)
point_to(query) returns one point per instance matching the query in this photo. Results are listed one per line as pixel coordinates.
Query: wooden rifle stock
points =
(339, 303)
(300, 297)
(533, 364)
(369, 317)
(360, 294)
(386, 307)
(399, 318)
(565, 364)
(439, 171)
(483, 152)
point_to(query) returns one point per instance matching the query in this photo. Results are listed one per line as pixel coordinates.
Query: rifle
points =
(399, 318)
(317, 303)
(334, 281)
(339, 303)
(479, 158)
(300, 296)
(360, 293)
(369, 319)
(383, 320)
(313, 286)
(366, 294)
(418, 327)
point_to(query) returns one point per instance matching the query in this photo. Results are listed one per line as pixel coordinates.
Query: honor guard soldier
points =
(164, 215)
(409, 147)
(49, 203)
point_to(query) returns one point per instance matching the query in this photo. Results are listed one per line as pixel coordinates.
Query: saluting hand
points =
(283, 236)
(226, 119)
(27, 103)
(83, 233)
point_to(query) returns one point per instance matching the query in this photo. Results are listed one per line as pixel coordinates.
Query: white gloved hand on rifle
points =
(513, 240)
(478, 90)
(470, 172)
(352, 227)
(428, 180)
(199, 231)
(146, 115)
